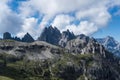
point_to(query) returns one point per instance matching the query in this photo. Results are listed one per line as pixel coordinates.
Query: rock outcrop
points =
(33, 51)
(51, 35)
(7, 35)
(66, 36)
(84, 44)
(27, 38)
(54, 36)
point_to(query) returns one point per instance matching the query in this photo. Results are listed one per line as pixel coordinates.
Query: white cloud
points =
(53, 7)
(84, 27)
(29, 26)
(91, 15)
(61, 21)
(9, 21)
(98, 15)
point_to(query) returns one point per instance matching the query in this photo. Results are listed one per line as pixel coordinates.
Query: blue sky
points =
(91, 17)
(113, 27)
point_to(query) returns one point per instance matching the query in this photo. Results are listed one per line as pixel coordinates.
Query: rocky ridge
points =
(27, 37)
(110, 44)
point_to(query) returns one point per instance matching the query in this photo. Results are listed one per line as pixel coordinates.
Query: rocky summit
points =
(27, 37)
(7, 35)
(65, 37)
(54, 36)
(50, 35)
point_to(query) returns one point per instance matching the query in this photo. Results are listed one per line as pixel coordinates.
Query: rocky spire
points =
(27, 38)
(51, 35)
(7, 35)
(66, 36)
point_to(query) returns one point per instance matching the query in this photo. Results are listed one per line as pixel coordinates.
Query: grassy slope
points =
(5, 78)
(61, 69)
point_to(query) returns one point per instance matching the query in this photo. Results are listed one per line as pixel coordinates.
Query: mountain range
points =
(59, 56)
(53, 36)
(27, 37)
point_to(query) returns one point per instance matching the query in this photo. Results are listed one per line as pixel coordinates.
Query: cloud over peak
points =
(34, 15)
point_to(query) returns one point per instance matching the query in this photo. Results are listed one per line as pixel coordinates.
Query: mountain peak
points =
(7, 35)
(27, 38)
(66, 36)
(51, 35)
(50, 27)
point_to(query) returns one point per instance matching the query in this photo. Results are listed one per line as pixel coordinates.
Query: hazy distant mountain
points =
(110, 44)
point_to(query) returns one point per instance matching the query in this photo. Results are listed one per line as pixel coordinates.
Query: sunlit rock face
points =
(66, 36)
(84, 44)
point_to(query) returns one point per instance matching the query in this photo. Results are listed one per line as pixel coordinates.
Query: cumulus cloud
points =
(53, 7)
(84, 27)
(28, 26)
(61, 21)
(91, 15)
(9, 21)
(98, 15)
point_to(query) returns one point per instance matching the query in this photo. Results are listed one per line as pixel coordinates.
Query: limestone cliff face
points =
(84, 44)
(34, 51)
(65, 37)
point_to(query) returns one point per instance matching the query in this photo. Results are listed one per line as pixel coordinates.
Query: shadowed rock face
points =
(27, 38)
(17, 38)
(7, 35)
(50, 35)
